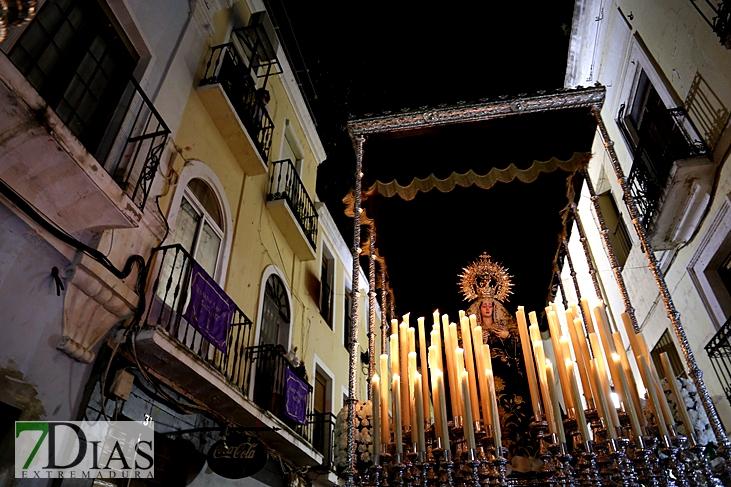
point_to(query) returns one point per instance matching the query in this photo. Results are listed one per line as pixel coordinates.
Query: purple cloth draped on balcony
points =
(295, 401)
(210, 309)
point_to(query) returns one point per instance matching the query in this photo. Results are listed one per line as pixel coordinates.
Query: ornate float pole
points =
(694, 371)
(371, 305)
(350, 471)
(384, 318)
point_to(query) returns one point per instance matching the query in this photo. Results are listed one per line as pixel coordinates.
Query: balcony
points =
(292, 209)
(237, 108)
(719, 351)
(671, 176)
(323, 439)
(223, 379)
(717, 15)
(81, 183)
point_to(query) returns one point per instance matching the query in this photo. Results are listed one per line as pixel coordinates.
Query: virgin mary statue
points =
(487, 285)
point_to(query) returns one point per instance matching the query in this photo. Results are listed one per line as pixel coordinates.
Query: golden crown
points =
(485, 278)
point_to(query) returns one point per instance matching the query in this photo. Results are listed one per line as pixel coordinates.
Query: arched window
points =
(275, 318)
(199, 225)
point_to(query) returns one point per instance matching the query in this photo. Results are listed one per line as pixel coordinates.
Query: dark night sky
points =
(363, 60)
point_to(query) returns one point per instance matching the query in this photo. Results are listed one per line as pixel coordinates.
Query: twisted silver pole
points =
(384, 318)
(371, 305)
(572, 271)
(587, 251)
(694, 371)
(350, 471)
(616, 268)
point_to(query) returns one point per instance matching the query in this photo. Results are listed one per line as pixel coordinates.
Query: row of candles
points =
(590, 350)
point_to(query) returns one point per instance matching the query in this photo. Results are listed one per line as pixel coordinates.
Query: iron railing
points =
(133, 142)
(717, 15)
(326, 300)
(226, 67)
(323, 438)
(169, 297)
(285, 184)
(665, 137)
(270, 387)
(719, 351)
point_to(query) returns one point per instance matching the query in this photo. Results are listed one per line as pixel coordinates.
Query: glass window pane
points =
(207, 199)
(207, 251)
(186, 226)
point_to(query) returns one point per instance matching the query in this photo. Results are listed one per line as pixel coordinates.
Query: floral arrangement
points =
(689, 395)
(363, 438)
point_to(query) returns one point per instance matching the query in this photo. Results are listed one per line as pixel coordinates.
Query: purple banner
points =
(295, 400)
(210, 309)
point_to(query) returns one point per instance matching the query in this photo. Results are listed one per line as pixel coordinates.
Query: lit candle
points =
(376, 406)
(587, 315)
(404, 372)
(394, 327)
(555, 329)
(419, 408)
(652, 394)
(601, 364)
(628, 405)
(459, 362)
(469, 425)
(589, 390)
(394, 355)
(473, 321)
(554, 401)
(434, 392)
(405, 319)
(482, 379)
(424, 370)
(573, 325)
(602, 400)
(470, 366)
(655, 381)
(530, 366)
(580, 417)
(456, 371)
(412, 374)
(602, 320)
(670, 376)
(495, 414)
(449, 366)
(619, 345)
(436, 317)
(461, 315)
(396, 391)
(436, 341)
(385, 426)
(443, 410)
(541, 366)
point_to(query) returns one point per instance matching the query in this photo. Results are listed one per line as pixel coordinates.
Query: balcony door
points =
(79, 62)
(275, 320)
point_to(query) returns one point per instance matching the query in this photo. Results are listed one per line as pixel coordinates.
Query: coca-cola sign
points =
(237, 456)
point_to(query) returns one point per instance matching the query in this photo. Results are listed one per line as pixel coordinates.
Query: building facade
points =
(149, 148)
(665, 66)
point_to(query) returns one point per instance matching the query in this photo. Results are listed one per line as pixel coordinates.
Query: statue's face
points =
(486, 308)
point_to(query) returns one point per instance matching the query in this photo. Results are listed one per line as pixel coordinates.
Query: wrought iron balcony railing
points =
(226, 67)
(169, 299)
(323, 438)
(285, 184)
(717, 14)
(719, 351)
(133, 142)
(271, 387)
(665, 137)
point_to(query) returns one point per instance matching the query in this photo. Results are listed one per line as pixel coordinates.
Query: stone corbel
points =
(92, 306)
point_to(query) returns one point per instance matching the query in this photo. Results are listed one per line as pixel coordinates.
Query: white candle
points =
(469, 429)
(443, 410)
(670, 376)
(530, 366)
(470, 366)
(419, 408)
(385, 422)
(484, 391)
(376, 406)
(551, 380)
(404, 372)
(628, 405)
(424, 370)
(396, 391)
(575, 328)
(496, 432)
(580, 417)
